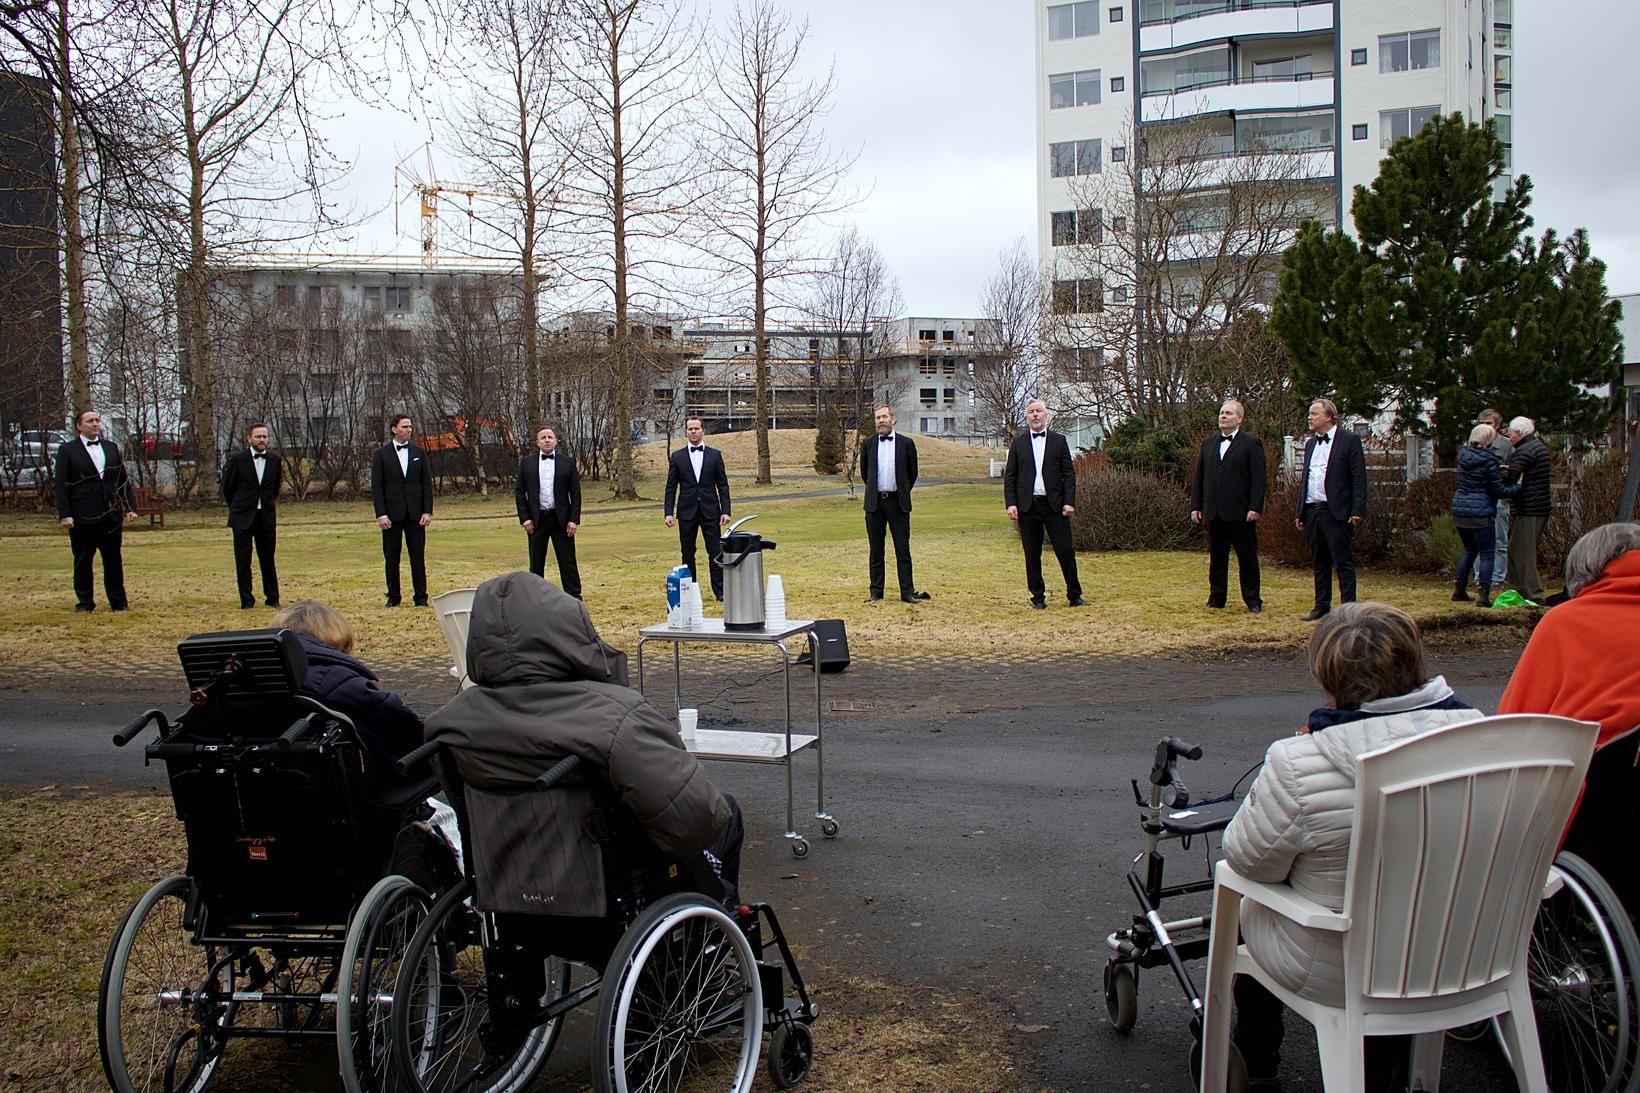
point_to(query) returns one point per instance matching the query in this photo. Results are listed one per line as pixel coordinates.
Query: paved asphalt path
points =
(982, 853)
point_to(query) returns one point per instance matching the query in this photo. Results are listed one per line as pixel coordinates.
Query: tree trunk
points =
(79, 345)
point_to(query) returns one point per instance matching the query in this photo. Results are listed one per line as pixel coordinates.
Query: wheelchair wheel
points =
(440, 1012)
(681, 1006)
(163, 999)
(791, 1053)
(1582, 963)
(377, 938)
(1121, 996)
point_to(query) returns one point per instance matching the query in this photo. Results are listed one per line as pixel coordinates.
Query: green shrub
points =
(1441, 543)
(1122, 509)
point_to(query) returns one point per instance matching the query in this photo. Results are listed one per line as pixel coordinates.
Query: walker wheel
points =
(1121, 996)
(800, 848)
(791, 1052)
(828, 828)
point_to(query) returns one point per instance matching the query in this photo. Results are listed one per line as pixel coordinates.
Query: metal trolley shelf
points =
(741, 746)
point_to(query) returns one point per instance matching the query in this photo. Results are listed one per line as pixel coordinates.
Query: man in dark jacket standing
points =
(545, 686)
(1039, 489)
(1332, 499)
(888, 471)
(93, 503)
(1228, 495)
(697, 488)
(548, 497)
(401, 488)
(250, 486)
(1528, 465)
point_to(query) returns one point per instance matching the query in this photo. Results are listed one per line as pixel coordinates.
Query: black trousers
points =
(413, 536)
(892, 519)
(549, 531)
(1039, 520)
(88, 538)
(1329, 540)
(1222, 537)
(708, 530)
(262, 535)
(1259, 1031)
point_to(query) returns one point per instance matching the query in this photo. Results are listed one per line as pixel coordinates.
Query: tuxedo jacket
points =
(905, 469)
(242, 492)
(1058, 472)
(1229, 488)
(566, 487)
(700, 501)
(401, 496)
(1346, 478)
(85, 495)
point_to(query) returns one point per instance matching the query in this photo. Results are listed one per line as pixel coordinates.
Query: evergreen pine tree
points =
(828, 440)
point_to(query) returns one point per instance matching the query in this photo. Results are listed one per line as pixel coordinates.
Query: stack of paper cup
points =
(774, 602)
(697, 610)
(687, 720)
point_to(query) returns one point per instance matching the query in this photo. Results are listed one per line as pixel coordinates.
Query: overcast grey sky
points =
(939, 99)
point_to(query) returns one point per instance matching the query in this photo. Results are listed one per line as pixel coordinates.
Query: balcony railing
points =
(1236, 81)
(1178, 13)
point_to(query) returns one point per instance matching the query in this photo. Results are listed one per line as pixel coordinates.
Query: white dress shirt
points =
(261, 466)
(1225, 440)
(697, 456)
(403, 452)
(98, 458)
(886, 482)
(1315, 491)
(1039, 448)
(546, 469)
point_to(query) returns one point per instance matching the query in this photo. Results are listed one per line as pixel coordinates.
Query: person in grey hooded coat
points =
(545, 686)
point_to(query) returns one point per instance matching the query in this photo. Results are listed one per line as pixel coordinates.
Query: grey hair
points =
(1482, 435)
(1525, 426)
(1596, 550)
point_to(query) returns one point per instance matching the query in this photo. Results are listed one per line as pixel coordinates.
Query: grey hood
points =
(526, 630)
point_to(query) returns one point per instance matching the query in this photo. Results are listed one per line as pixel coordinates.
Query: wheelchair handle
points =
(416, 758)
(138, 723)
(558, 772)
(294, 733)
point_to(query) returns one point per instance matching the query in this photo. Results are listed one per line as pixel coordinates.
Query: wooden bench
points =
(149, 502)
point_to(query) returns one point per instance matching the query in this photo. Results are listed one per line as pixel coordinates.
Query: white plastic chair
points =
(1453, 837)
(454, 610)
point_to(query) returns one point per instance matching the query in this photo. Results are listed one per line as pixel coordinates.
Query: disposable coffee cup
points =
(687, 720)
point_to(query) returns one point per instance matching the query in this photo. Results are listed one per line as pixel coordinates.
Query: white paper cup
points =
(687, 720)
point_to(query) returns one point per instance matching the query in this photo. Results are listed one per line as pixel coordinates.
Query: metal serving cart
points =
(748, 746)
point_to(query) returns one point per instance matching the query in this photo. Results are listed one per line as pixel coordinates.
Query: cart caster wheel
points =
(828, 828)
(791, 1052)
(800, 848)
(1121, 996)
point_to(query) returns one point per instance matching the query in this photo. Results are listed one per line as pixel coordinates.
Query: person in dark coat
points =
(387, 728)
(697, 489)
(1039, 494)
(1227, 495)
(250, 486)
(1474, 510)
(401, 488)
(94, 502)
(1528, 465)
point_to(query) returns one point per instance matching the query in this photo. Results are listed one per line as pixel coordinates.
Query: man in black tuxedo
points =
(1228, 495)
(401, 487)
(888, 471)
(93, 503)
(548, 497)
(1332, 499)
(250, 486)
(697, 482)
(1039, 488)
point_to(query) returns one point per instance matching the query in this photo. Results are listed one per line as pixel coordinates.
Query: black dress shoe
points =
(921, 595)
(392, 601)
(84, 608)
(422, 601)
(121, 607)
(1315, 613)
(913, 597)
(1255, 608)
(874, 599)
(246, 605)
(1080, 602)
(1038, 605)
(271, 603)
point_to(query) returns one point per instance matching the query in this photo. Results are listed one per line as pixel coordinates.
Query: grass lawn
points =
(181, 580)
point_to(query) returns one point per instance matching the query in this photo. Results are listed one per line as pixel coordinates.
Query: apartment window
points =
(948, 335)
(926, 424)
(928, 366)
(1074, 157)
(950, 398)
(323, 385)
(1167, 75)
(285, 340)
(949, 367)
(1358, 56)
(372, 297)
(1414, 50)
(1503, 11)
(1502, 37)
(950, 424)
(1395, 124)
(1119, 294)
(1284, 132)
(1118, 84)
(1118, 154)
(1358, 132)
(1068, 89)
(1116, 15)
(1073, 21)
(1506, 131)
(1284, 68)
(1118, 223)
(1079, 297)
(1502, 67)
(1084, 226)
(929, 396)
(397, 298)
(313, 293)
(1503, 99)
(290, 384)
(925, 335)
(285, 295)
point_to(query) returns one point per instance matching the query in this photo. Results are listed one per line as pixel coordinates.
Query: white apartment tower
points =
(1335, 80)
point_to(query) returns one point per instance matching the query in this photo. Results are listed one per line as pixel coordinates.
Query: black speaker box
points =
(833, 645)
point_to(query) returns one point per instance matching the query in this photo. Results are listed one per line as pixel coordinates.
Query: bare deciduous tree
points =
(1006, 361)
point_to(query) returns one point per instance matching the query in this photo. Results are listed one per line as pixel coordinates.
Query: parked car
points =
(161, 445)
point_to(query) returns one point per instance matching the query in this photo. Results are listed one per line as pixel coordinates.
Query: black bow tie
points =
(885, 439)
(401, 447)
(1038, 436)
(92, 443)
(1322, 439)
(694, 449)
(259, 455)
(546, 455)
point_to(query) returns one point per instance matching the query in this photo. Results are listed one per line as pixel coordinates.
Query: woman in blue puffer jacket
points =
(1474, 505)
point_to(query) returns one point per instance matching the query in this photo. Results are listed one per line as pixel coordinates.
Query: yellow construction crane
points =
(429, 190)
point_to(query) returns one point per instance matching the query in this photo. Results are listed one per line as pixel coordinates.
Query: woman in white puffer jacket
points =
(1294, 826)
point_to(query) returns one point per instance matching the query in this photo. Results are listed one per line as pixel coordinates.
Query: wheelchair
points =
(684, 987)
(287, 924)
